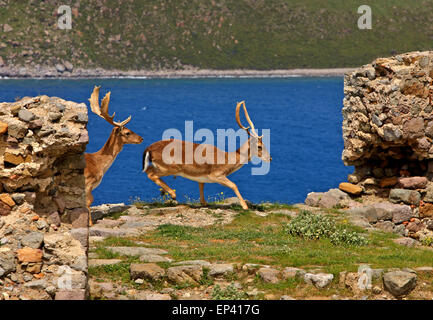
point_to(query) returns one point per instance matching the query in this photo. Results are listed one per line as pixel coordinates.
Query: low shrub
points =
(343, 236)
(229, 293)
(318, 226)
(427, 241)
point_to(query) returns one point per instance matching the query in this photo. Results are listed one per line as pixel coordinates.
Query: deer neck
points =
(242, 155)
(110, 150)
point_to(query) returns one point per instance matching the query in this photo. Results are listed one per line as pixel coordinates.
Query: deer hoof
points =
(171, 201)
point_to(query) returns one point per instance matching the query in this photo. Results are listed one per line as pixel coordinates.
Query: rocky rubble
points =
(197, 279)
(42, 143)
(387, 124)
(388, 132)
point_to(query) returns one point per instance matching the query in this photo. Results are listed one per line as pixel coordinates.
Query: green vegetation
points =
(115, 272)
(229, 293)
(265, 240)
(227, 34)
(428, 241)
(317, 226)
(327, 242)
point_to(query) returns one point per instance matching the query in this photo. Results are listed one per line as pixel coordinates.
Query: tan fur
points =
(202, 172)
(99, 162)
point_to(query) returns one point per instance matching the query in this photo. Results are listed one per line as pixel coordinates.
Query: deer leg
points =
(155, 178)
(89, 200)
(224, 181)
(202, 200)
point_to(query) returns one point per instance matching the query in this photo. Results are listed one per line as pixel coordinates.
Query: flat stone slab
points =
(383, 211)
(222, 269)
(106, 232)
(164, 210)
(424, 270)
(138, 224)
(157, 296)
(358, 220)
(328, 199)
(413, 182)
(154, 258)
(113, 232)
(319, 280)
(183, 274)
(98, 212)
(109, 223)
(136, 251)
(291, 272)
(103, 262)
(95, 239)
(405, 196)
(202, 263)
(148, 271)
(399, 283)
(269, 275)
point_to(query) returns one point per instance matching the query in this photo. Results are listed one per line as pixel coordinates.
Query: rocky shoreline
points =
(67, 71)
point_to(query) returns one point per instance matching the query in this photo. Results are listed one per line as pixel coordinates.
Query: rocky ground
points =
(67, 70)
(37, 254)
(149, 251)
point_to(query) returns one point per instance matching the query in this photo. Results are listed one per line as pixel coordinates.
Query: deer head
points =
(122, 133)
(257, 147)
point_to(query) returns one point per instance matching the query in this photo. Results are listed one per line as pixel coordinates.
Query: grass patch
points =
(291, 283)
(264, 240)
(116, 242)
(115, 272)
(176, 232)
(104, 253)
(205, 279)
(276, 206)
(117, 215)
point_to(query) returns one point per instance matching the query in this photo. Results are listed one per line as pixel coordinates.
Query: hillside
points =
(226, 34)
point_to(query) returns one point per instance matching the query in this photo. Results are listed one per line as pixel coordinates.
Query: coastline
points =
(80, 73)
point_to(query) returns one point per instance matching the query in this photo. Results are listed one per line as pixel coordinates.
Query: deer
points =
(156, 166)
(99, 162)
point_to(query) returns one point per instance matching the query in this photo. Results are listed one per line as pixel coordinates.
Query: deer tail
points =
(146, 158)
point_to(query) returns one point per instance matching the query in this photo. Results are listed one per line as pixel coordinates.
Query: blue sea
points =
(303, 114)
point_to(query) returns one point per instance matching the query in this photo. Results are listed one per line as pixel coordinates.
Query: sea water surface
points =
(303, 115)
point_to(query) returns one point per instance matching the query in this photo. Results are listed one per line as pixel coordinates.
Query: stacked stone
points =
(388, 132)
(42, 203)
(387, 113)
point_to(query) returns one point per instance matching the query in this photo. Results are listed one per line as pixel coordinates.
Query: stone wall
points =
(388, 138)
(387, 117)
(43, 215)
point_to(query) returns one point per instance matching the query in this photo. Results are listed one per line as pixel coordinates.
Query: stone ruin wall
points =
(388, 119)
(43, 215)
(388, 138)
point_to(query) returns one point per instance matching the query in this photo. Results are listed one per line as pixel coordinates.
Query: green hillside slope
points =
(224, 34)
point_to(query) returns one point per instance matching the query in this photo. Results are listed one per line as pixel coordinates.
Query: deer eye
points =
(128, 133)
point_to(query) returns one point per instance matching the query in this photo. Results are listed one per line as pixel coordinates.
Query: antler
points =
(103, 110)
(238, 120)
